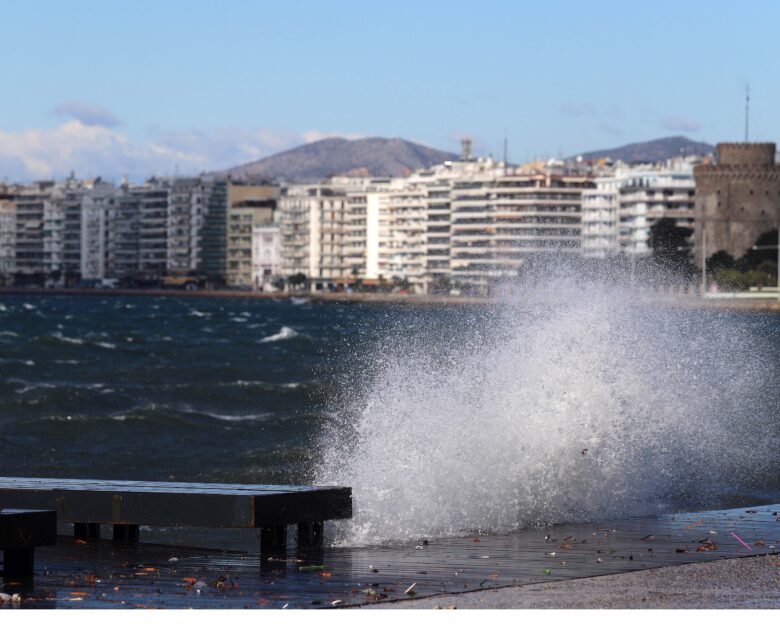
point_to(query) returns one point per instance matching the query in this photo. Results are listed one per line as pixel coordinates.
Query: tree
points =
(670, 251)
(720, 260)
(296, 280)
(754, 257)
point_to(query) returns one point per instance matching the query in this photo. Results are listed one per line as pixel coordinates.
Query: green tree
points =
(296, 280)
(766, 252)
(669, 244)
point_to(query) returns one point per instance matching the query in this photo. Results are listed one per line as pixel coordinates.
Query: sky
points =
(165, 87)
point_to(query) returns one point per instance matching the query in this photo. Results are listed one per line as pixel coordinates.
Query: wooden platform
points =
(21, 532)
(128, 504)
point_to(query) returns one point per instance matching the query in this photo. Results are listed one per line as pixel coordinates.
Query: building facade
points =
(248, 206)
(619, 211)
(737, 198)
(7, 235)
(266, 255)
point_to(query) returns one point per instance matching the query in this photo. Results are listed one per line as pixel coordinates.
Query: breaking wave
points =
(286, 333)
(577, 402)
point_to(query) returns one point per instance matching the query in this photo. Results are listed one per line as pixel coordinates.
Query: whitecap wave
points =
(67, 339)
(286, 333)
(35, 386)
(236, 417)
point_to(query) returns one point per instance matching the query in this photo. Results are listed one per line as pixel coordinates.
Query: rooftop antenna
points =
(505, 152)
(465, 149)
(747, 111)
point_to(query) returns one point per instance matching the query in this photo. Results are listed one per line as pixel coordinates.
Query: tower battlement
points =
(746, 154)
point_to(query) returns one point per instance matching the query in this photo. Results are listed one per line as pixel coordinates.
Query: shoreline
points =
(742, 304)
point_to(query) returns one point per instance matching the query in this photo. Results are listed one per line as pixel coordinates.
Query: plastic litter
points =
(739, 539)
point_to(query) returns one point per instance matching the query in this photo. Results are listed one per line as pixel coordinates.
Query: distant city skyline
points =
(184, 87)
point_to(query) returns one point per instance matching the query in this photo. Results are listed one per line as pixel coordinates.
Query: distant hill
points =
(652, 151)
(371, 156)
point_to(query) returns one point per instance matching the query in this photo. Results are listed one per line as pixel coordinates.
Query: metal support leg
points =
(18, 562)
(86, 529)
(273, 539)
(310, 536)
(126, 533)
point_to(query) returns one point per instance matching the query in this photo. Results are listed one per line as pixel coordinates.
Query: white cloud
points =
(88, 114)
(683, 124)
(317, 135)
(578, 109)
(94, 150)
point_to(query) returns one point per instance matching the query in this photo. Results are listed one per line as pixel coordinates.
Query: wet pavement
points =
(102, 574)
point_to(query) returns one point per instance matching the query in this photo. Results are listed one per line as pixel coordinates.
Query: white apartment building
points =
(600, 207)
(96, 216)
(470, 222)
(401, 225)
(312, 222)
(361, 225)
(618, 213)
(647, 196)
(266, 255)
(499, 220)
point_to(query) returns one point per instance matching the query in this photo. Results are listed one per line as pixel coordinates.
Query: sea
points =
(549, 407)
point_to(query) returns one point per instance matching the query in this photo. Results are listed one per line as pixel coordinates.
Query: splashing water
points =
(571, 403)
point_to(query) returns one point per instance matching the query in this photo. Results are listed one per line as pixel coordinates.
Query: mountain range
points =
(315, 161)
(380, 157)
(652, 151)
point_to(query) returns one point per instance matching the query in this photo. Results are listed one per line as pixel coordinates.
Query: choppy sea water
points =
(159, 388)
(442, 419)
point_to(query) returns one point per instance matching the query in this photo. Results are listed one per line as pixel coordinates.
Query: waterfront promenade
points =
(453, 571)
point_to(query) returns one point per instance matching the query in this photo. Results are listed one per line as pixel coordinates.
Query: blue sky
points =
(158, 87)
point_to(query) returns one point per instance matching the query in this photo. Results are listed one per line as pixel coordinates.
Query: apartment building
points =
(618, 213)
(498, 222)
(213, 237)
(313, 221)
(153, 229)
(600, 206)
(186, 212)
(32, 202)
(647, 196)
(248, 207)
(62, 232)
(266, 255)
(401, 228)
(123, 233)
(7, 235)
(97, 207)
